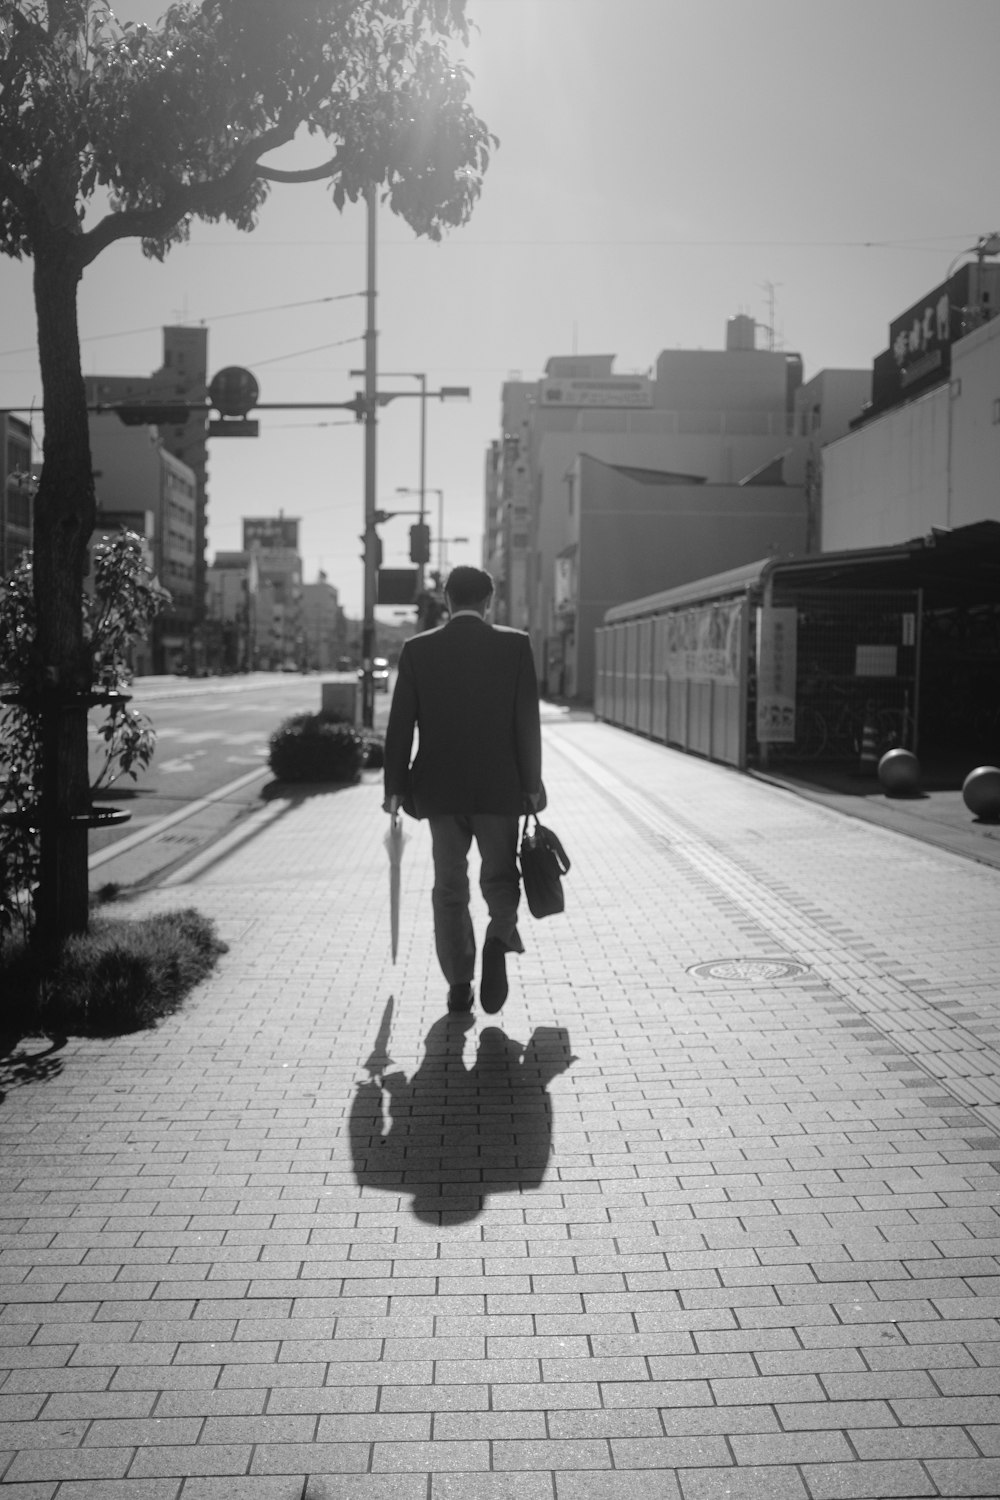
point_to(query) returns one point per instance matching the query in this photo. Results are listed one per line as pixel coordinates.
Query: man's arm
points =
(527, 726)
(399, 734)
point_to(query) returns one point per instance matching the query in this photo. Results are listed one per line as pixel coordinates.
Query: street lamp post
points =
(442, 543)
(446, 393)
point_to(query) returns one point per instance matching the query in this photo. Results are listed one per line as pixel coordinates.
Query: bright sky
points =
(662, 163)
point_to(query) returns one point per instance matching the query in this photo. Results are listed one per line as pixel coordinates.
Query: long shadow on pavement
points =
(28, 1061)
(451, 1136)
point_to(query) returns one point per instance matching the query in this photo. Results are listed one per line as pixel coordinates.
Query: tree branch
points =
(182, 199)
(307, 174)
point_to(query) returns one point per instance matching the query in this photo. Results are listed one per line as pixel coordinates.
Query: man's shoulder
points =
(510, 630)
(429, 640)
(422, 640)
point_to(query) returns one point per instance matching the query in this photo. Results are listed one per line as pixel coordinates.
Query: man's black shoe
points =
(460, 997)
(493, 989)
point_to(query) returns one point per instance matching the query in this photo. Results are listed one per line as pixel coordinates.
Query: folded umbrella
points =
(394, 841)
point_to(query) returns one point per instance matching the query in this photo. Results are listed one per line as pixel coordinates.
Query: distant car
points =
(344, 663)
(380, 674)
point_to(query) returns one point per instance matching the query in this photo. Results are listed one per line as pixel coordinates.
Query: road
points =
(209, 770)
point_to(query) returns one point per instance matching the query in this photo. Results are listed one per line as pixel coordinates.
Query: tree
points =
(118, 612)
(115, 131)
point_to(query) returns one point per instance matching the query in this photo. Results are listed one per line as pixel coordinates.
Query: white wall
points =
(721, 461)
(888, 481)
(932, 462)
(975, 475)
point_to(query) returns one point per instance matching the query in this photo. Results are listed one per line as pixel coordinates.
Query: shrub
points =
(118, 611)
(374, 749)
(121, 976)
(316, 747)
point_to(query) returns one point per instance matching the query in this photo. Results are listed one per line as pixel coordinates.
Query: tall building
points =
(274, 541)
(324, 629)
(737, 418)
(715, 415)
(183, 376)
(142, 486)
(233, 598)
(15, 492)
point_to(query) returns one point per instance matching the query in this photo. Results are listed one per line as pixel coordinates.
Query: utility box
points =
(342, 699)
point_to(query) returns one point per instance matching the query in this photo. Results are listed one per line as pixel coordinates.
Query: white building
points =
(933, 462)
(714, 416)
(232, 589)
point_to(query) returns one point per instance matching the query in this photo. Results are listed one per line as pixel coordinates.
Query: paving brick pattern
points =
(646, 1234)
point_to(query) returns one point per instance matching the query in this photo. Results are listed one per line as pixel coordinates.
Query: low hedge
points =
(321, 747)
(121, 975)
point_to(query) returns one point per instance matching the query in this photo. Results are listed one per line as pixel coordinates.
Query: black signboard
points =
(920, 340)
(271, 533)
(397, 585)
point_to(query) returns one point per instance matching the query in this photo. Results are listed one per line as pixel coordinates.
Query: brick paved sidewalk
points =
(658, 1233)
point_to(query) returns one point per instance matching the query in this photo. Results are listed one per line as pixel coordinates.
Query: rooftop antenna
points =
(769, 288)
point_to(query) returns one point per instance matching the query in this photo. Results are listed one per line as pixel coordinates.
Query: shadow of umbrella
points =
(451, 1136)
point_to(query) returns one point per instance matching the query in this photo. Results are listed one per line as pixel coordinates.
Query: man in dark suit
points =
(470, 691)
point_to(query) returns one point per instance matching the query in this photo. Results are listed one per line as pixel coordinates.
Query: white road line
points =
(141, 835)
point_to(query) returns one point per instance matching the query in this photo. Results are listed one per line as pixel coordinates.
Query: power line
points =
(316, 349)
(125, 333)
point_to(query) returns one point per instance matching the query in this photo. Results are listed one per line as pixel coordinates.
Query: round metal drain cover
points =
(749, 970)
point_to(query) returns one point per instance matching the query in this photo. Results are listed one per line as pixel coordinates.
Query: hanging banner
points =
(776, 666)
(703, 644)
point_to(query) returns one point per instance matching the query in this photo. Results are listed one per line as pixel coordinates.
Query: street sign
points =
(233, 427)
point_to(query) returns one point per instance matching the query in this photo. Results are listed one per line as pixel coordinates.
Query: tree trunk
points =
(64, 520)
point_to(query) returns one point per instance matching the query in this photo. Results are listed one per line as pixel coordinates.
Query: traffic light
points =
(376, 548)
(420, 543)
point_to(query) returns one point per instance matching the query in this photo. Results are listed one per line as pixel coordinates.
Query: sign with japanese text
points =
(271, 534)
(703, 644)
(920, 339)
(776, 668)
(615, 390)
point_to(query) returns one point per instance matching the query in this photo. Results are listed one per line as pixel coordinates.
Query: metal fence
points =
(857, 668)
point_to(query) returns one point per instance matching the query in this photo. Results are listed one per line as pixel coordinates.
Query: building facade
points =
(324, 629)
(140, 485)
(928, 461)
(717, 416)
(279, 640)
(638, 531)
(16, 492)
(183, 376)
(233, 593)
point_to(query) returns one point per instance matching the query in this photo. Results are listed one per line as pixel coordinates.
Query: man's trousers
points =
(499, 880)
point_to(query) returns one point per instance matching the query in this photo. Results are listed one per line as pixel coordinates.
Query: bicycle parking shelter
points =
(790, 659)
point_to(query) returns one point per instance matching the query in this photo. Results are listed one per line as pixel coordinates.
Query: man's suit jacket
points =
(470, 691)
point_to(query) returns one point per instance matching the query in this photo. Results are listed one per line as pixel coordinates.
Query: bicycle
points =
(844, 733)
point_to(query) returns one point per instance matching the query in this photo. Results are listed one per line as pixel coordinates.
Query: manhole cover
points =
(749, 969)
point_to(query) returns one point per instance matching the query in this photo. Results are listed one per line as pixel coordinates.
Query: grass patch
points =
(121, 976)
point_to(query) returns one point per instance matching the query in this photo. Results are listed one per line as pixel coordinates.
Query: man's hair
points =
(468, 588)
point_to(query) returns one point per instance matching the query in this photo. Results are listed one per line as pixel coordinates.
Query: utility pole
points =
(371, 535)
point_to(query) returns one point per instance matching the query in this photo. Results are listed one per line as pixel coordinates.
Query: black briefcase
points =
(544, 862)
